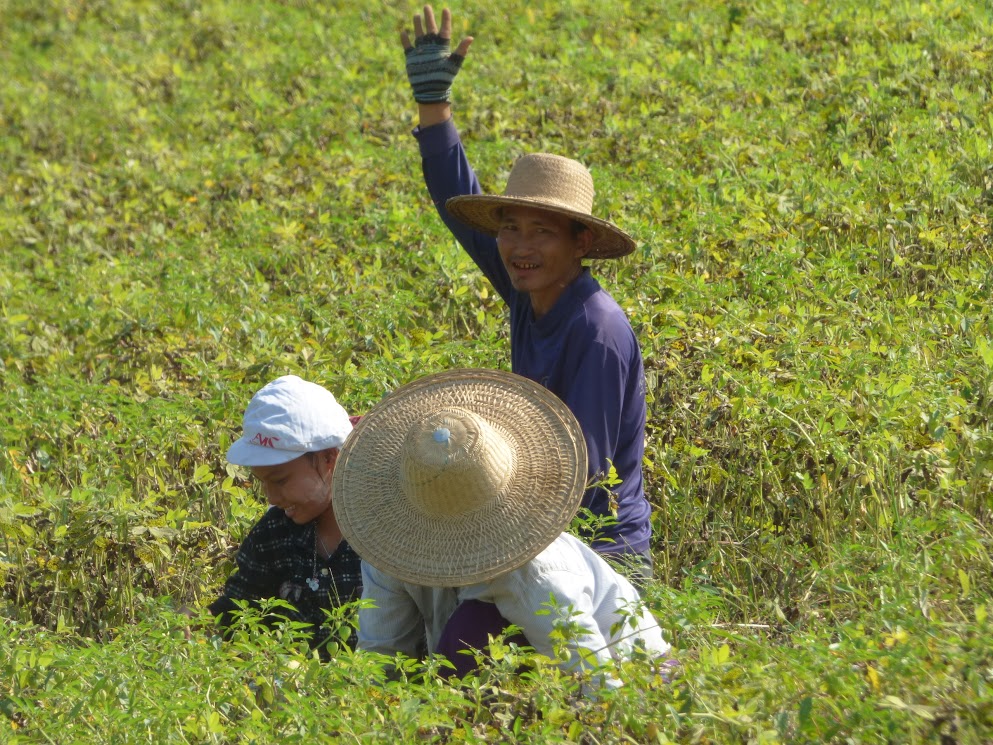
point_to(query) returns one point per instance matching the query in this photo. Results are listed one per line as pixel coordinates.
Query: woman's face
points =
(300, 488)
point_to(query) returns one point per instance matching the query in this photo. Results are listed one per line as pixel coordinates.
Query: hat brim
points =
(388, 531)
(244, 453)
(482, 212)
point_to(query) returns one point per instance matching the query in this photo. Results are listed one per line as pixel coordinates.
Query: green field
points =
(197, 197)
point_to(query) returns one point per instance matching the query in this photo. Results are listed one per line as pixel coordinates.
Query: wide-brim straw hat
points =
(459, 477)
(548, 182)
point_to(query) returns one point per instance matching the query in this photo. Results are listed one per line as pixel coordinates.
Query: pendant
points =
(313, 584)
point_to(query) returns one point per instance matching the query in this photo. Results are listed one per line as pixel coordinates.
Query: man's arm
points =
(429, 114)
(447, 173)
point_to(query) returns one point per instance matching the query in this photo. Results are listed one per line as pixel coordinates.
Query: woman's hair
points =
(313, 454)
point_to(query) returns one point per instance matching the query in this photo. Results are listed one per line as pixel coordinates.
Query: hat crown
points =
(454, 463)
(459, 476)
(559, 181)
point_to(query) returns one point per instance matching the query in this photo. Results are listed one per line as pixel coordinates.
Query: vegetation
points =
(196, 197)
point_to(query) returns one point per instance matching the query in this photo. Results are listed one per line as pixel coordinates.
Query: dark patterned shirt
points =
(277, 560)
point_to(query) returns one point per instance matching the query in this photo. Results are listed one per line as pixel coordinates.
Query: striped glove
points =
(431, 69)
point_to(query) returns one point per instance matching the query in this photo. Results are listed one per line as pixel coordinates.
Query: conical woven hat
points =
(548, 182)
(459, 477)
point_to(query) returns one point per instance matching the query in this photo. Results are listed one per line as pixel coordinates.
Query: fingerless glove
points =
(431, 69)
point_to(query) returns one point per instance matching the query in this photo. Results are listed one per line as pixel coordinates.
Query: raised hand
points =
(430, 67)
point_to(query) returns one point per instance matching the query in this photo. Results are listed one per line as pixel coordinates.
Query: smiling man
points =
(567, 333)
(292, 431)
(539, 251)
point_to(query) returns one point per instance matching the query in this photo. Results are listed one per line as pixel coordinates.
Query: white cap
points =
(287, 418)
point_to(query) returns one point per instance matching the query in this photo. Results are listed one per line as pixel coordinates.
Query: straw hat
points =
(548, 182)
(459, 477)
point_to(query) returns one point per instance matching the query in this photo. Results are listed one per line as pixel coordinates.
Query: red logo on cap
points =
(266, 442)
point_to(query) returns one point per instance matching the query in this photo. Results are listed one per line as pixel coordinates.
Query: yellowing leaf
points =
(897, 637)
(964, 582)
(721, 655)
(873, 677)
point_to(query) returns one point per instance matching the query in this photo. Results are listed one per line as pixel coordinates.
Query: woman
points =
(292, 432)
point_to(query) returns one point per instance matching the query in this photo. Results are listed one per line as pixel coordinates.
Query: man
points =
(455, 490)
(292, 431)
(567, 333)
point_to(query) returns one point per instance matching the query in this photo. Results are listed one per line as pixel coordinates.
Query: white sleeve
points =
(393, 623)
(542, 602)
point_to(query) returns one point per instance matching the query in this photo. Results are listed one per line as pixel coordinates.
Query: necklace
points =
(313, 582)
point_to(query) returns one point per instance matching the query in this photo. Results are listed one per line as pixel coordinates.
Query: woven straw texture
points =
(548, 182)
(459, 477)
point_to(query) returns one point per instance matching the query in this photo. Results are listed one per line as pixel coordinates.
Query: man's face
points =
(540, 253)
(301, 488)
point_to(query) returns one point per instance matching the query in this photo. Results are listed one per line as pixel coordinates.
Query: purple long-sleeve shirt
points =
(583, 350)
